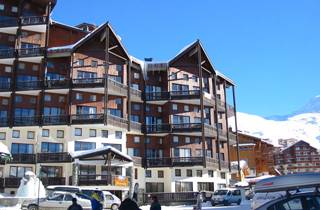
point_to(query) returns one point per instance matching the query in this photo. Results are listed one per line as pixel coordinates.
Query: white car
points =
(226, 196)
(110, 201)
(59, 201)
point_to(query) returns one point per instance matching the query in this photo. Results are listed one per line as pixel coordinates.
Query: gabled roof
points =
(301, 141)
(192, 46)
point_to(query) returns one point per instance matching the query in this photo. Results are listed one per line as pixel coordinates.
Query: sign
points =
(121, 181)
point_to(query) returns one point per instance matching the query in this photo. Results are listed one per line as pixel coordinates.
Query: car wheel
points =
(239, 201)
(212, 203)
(32, 207)
(226, 203)
(114, 207)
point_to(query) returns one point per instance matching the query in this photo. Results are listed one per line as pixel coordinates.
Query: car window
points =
(236, 192)
(293, 204)
(68, 197)
(313, 202)
(58, 197)
(108, 197)
(83, 196)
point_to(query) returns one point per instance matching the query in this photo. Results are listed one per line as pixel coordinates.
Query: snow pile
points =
(301, 127)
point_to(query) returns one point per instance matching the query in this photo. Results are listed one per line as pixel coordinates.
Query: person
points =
(75, 205)
(155, 205)
(199, 202)
(95, 201)
(128, 204)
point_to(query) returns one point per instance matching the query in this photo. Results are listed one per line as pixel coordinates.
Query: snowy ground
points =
(206, 206)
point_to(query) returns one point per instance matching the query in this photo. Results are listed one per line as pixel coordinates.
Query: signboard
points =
(121, 181)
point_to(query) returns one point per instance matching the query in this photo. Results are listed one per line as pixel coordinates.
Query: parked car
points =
(58, 201)
(109, 200)
(226, 196)
(294, 191)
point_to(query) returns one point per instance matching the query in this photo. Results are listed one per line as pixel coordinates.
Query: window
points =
(33, 100)
(30, 134)
(174, 107)
(195, 78)
(174, 75)
(14, 9)
(185, 77)
(51, 147)
(223, 175)
(133, 152)
(47, 97)
(79, 96)
(61, 99)
(104, 133)
(197, 140)
(175, 140)
(177, 172)
(184, 186)
(60, 133)
(5, 101)
(92, 132)
(8, 69)
(135, 86)
(154, 187)
(136, 75)
(135, 118)
(81, 145)
(19, 171)
(136, 139)
(199, 173)
(21, 66)
(186, 108)
(118, 134)
(118, 101)
(205, 186)
(210, 173)
(81, 62)
(147, 140)
(2, 135)
(18, 99)
(196, 109)
(160, 174)
(189, 172)
(94, 63)
(1, 7)
(136, 107)
(160, 141)
(45, 132)
(159, 109)
(148, 174)
(35, 67)
(187, 140)
(21, 148)
(15, 134)
(78, 131)
(147, 108)
(93, 98)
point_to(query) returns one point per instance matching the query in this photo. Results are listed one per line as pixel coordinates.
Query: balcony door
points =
(180, 89)
(154, 153)
(86, 110)
(181, 152)
(179, 119)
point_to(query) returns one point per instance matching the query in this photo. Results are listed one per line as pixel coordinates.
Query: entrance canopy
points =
(102, 156)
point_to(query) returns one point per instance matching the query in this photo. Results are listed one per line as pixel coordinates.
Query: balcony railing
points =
(135, 126)
(100, 179)
(29, 85)
(5, 86)
(87, 118)
(57, 84)
(34, 20)
(157, 128)
(56, 120)
(117, 87)
(135, 94)
(88, 82)
(58, 157)
(23, 158)
(26, 121)
(53, 181)
(117, 121)
(4, 122)
(173, 161)
(7, 53)
(31, 52)
(196, 127)
(157, 96)
(9, 22)
(185, 94)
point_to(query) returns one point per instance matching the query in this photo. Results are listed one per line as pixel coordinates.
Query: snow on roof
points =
(4, 149)
(245, 144)
(78, 154)
(66, 25)
(61, 48)
(224, 77)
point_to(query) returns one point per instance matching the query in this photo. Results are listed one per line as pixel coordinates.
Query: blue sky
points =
(271, 49)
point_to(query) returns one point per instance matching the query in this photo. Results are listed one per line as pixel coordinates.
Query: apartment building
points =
(257, 152)
(71, 88)
(297, 158)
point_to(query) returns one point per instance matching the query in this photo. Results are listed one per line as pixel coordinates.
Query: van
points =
(226, 196)
(109, 200)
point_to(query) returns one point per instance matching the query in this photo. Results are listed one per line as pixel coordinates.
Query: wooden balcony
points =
(189, 94)
(33, 20)
(59, 157)
(173, 162)
(23, 158)
(117, 88)
(46, 181)
(186, 127)
(88, 82)
(117, 121)
(87, 119)
(136, 95)
(135, 127)
(157, 128)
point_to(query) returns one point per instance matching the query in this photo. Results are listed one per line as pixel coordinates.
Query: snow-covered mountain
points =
(304, 124)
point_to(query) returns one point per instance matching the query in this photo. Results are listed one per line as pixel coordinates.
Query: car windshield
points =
(83, 196)
(220, 192)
